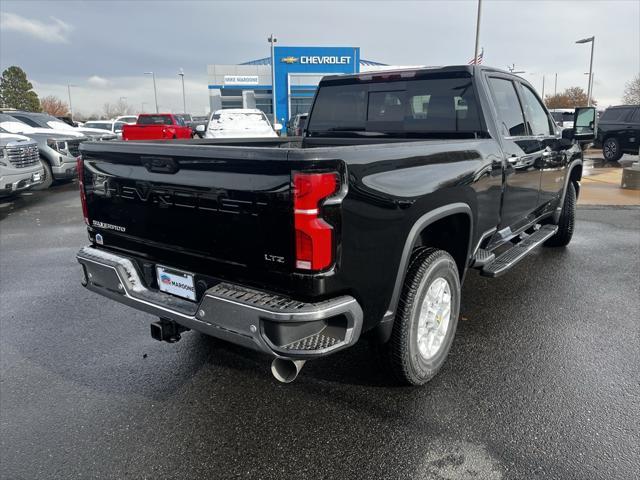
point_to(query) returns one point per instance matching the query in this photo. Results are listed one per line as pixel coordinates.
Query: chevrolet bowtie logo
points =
(289, 60)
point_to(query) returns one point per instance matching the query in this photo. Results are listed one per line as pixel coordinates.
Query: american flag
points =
(478, 59)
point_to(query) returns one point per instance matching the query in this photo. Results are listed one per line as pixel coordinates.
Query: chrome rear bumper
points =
(270, 323)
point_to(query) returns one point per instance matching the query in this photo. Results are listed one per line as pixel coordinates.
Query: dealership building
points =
(298, 71)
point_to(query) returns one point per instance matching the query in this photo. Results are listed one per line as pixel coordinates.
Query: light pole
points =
(184, 101)
(475, 54)
(591, 40)
(272, 40)
(69, 92)
(592, 80)
(155, 91)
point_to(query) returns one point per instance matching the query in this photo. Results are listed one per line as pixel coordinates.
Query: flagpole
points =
(475, 56)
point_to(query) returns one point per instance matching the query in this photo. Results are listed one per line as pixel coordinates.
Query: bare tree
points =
(572, 97)
(112, 110)
(632, 92)
(54, 106)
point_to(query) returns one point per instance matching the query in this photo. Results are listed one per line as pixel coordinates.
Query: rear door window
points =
(635, 118)
(537, 118)
(508, 106)
(615, 114)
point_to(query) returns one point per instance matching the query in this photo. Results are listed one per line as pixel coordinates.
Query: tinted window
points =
(536, 114)
(154, 120)
(340, 107)
(103, 126)
(431, 106)
(615, 114)
(635, 118)
(508, 105)
(27, 120)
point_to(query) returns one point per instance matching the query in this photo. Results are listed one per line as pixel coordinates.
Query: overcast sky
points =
(104, 47)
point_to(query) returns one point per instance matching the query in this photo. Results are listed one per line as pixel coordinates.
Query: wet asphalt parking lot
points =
(542, 380)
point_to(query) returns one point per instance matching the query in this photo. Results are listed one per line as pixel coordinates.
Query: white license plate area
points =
(36, 177)
(176, 282)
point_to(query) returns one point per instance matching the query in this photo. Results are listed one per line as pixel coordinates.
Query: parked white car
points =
(113, 126)
(130, 119)
(44, 121)
(238, 123)
(13, 125)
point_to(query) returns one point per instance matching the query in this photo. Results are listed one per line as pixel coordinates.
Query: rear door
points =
(522, 152)
(631, 137)
(548, 152)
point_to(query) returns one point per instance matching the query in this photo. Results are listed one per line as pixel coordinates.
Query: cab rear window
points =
(437, 105)
(154, 120)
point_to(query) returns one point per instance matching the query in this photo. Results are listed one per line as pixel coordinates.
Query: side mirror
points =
(584, 123)
(277, 127)
(200, 128)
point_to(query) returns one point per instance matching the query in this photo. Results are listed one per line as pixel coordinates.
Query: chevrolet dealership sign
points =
(344, 60)
(317, 60)
(298, 70)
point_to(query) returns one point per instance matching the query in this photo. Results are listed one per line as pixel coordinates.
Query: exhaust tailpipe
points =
(285, 370)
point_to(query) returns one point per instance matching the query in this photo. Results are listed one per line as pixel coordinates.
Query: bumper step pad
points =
(318, 341)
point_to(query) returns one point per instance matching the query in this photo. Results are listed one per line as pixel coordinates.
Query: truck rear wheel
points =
(611, 150)
(427, 317)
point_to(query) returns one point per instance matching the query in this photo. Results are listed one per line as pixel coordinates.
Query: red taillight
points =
(314, 236)
(83, 196)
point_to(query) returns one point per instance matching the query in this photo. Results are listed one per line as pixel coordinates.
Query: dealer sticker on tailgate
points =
(176, 282)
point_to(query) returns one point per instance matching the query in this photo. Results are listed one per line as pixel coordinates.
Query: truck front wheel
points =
(567, 220)
(427, 317)
(47, 176)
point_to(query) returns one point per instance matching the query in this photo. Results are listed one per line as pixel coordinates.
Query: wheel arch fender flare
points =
(385, 326)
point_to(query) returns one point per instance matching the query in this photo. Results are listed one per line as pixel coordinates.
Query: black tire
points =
(567, 220)
(48, 176)
(611, 150)
(402, 353)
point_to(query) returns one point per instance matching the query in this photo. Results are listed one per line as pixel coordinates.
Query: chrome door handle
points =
(513, 159)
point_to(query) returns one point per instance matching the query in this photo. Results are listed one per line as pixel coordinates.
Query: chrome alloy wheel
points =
(610, 149)
(435, 313)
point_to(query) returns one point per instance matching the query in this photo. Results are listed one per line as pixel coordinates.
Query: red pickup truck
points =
(157, 126)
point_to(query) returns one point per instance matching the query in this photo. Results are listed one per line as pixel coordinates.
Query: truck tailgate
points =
(145, 132)
(190, 204)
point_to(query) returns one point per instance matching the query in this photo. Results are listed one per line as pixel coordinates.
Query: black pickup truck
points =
(363, 227)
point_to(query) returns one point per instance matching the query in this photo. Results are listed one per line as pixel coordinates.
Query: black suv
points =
(619, 131)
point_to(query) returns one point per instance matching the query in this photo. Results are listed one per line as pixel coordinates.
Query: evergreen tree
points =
(17, 92)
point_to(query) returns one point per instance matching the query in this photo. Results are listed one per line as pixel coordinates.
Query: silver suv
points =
(58, 152)
(20, 166)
